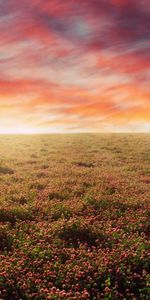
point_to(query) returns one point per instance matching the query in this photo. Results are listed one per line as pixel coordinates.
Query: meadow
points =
(74, 216)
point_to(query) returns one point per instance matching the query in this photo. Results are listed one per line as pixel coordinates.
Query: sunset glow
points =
(74, 66)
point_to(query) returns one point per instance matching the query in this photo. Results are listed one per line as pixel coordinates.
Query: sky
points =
(74, 66)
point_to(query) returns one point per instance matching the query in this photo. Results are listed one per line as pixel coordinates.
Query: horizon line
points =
(70, 133)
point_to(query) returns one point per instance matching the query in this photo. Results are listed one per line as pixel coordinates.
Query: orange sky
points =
(74, 66)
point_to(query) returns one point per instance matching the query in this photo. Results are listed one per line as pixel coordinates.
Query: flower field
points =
(75, 216)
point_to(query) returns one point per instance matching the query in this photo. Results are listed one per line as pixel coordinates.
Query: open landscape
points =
(74, 150)
(74, 216)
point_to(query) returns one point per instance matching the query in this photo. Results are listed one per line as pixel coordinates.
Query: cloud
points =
(77, 63)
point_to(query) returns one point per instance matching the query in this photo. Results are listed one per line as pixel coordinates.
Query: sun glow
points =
(19, 130)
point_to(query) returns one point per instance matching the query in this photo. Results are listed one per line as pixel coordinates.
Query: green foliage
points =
(13, 214)
(60, 211)
(6, 239)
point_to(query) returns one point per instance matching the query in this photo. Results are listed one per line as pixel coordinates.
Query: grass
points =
(74, 217)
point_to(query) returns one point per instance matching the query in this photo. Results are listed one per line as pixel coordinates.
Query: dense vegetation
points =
(74, 216)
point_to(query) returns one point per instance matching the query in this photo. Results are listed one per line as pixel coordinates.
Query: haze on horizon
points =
(74, 66)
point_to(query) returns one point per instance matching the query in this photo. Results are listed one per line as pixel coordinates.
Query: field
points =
(74, 216)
